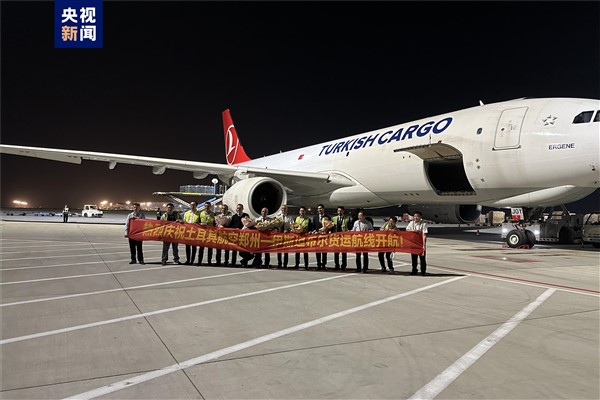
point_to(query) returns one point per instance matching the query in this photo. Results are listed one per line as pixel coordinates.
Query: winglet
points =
(234, 152)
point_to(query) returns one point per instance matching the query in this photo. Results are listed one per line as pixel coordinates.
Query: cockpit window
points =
(583, 117)
(597, 118)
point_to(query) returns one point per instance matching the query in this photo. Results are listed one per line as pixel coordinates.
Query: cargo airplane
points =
(531, 153)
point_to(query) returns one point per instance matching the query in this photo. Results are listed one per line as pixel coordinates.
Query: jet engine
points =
(449, 214)
(254, 194)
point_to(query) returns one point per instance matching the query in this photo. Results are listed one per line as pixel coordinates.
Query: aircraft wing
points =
(307, 183)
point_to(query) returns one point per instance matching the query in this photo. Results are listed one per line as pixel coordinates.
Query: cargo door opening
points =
(444, 169)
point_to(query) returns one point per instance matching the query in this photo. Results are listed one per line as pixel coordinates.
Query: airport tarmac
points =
(487, 322)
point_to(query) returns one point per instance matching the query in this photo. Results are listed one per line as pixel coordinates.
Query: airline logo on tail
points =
(234, 152)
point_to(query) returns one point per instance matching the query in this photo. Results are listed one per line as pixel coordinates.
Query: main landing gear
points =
(520, 237)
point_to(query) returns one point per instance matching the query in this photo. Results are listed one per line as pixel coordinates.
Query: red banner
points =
(255, 241)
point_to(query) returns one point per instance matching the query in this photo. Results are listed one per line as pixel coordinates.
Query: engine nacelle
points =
(449, 214)
(254, 194)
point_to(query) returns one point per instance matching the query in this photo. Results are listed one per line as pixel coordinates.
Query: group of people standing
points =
(319, 223)
(206, 217)
(418, 225)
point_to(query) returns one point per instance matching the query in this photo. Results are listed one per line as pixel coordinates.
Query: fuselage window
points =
(597, 118)
(583, 117)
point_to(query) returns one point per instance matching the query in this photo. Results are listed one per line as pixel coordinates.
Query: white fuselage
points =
(525, 152)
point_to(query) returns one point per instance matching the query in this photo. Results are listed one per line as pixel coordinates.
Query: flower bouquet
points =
(274, 224)
(248, 222)
(327, 225)
(222, 220)
(297, 228)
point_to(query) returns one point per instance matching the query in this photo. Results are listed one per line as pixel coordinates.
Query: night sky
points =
(292, 73)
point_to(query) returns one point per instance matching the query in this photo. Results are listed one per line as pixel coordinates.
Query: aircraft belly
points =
(393, 182)
(357, 196)
(543, 171)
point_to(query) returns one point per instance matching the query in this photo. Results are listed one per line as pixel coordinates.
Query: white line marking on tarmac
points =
(163, 311)
(13, 245)
(98, 274)
(67, 243)
(443, 380)
(401, 264)
(45, 251)
(74, 255)
(540, 285)
(67, 296)
(136, 380)
(42, 241)
(508, 280)
(65, 265)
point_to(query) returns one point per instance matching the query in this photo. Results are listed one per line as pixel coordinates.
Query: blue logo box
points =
(78, 24)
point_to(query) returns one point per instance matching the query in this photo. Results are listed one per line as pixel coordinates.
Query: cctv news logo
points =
(78, 24)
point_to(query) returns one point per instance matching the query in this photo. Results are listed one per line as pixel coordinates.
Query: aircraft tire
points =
(515, 238)
(530, 238)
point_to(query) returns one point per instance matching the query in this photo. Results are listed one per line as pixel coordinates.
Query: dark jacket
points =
(316, 224)
(174, 216)
(236, 221)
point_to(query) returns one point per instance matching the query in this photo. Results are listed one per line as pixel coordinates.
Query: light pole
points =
(215, 181)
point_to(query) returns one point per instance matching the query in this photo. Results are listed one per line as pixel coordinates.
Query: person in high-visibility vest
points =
(342, 224)
(66, 213)
(317, 224)
(302, 225)
(191, 216)
(207, 218)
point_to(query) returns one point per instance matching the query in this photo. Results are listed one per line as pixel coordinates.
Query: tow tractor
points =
(557, 226)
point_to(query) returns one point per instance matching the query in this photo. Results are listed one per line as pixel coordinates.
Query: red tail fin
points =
(234, 152)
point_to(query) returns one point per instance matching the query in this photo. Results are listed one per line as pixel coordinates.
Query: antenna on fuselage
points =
(480, 102)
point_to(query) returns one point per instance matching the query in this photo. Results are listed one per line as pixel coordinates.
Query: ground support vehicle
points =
(591, 229)
(558, 226)
(91, 211)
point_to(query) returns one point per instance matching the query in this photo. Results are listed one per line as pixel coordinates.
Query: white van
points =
(91, 210)
(591, 229)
